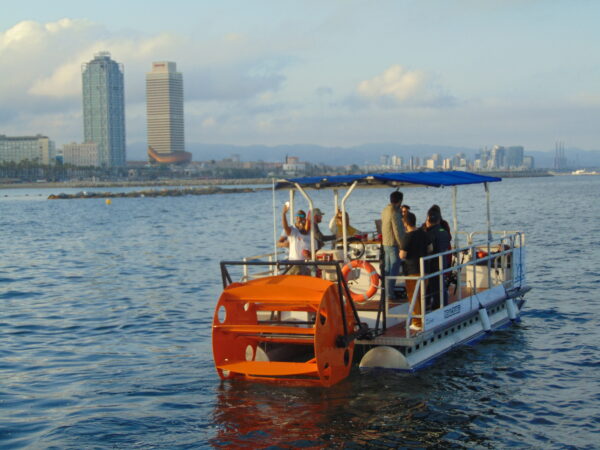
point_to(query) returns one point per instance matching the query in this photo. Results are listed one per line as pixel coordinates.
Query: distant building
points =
(397, 161)
(528, 162)
(293, 166)
(37, 148)
(514, 157)
(164, 109)
(104, 108)
(85, 154)
(497, 157)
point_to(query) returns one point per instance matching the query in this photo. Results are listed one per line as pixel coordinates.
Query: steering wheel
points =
(356, 247)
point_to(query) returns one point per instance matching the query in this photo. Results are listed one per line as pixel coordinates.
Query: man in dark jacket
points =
(440, 239)
(415, 245)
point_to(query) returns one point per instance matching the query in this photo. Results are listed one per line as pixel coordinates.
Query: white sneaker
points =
(415, 328)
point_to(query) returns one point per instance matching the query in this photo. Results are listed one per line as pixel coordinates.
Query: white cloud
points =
(42, 62)
(399, 86)
(209, 122)
(395, 82)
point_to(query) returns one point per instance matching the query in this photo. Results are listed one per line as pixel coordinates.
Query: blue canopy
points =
(434, 179)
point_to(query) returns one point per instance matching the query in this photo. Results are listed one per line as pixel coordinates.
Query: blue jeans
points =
(392, 267)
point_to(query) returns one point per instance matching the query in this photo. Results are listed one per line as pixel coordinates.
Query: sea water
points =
(106, 311)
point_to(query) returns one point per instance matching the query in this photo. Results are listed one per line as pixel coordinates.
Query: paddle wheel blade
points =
(284, 328)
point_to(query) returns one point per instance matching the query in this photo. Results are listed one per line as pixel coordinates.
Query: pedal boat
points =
(310, 329)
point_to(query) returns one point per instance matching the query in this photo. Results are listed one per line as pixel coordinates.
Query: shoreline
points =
(155, 183)
(173, 192)
(204, 182)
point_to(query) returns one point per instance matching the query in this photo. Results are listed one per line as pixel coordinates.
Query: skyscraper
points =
(164, 108)
(104, 108)
(514, 156)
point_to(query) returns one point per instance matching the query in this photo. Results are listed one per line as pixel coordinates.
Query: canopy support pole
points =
(456, 240)
(274, 228)
(489, 232)
(455, 216)
(335, 201)
(344, 221)
(489, 219)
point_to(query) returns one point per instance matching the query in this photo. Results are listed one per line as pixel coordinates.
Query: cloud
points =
(233, 81)
(323, 91)
(42, 63)
(209, 122)
(397, 86)
(229, 69)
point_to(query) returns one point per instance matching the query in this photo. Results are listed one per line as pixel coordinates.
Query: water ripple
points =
(105, 333)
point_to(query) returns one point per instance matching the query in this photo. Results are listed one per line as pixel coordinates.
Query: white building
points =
(164, 107)
(37, 148)
(293, 166)
(85, 154)
(397, 161)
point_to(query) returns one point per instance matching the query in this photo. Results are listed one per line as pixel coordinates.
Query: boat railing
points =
(272, 269)
(361, 330)
(471, 236)
(471, 271)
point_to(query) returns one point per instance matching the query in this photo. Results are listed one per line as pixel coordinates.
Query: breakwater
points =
(173, 192)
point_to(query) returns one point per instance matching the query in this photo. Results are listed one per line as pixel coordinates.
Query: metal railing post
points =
(422, 288)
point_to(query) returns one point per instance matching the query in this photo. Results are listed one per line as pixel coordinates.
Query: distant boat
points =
(584, 172)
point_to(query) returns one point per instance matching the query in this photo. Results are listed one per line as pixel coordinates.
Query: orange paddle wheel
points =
(287, 328)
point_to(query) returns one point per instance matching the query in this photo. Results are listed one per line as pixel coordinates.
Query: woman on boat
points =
(336, 226)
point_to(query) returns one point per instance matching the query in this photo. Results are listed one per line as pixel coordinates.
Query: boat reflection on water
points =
(386, 409)
(354, 413)
(250, 415)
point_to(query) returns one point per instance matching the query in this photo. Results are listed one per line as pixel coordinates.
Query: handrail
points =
(506, 247)
(361, 329)
(504, 259)
(271, 258)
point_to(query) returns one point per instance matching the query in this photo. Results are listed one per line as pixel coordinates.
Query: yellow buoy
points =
(108, 201)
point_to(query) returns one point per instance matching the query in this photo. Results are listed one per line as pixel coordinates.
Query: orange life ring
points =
(374, 277)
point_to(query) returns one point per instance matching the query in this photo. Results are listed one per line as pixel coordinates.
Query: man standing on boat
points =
(298, 239)
(440, 239)
(416, 244)
(392, 233)
(319, 236)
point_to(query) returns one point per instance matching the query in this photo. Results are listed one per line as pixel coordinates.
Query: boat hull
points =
(412, 353)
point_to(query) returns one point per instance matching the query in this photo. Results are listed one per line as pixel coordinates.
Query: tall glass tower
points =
(164, 108)
(104, 108)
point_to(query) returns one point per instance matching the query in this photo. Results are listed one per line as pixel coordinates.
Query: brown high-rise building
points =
(164, 107)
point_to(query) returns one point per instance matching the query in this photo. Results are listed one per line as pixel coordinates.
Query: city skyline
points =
(463, 74)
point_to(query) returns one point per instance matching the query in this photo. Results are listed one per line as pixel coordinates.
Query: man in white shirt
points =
(298, 239)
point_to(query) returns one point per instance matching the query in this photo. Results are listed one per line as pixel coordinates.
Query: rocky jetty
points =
(173, 192)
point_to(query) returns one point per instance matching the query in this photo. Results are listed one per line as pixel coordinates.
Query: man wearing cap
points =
(319, 236)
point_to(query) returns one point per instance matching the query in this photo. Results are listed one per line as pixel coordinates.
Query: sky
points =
(466, 73)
